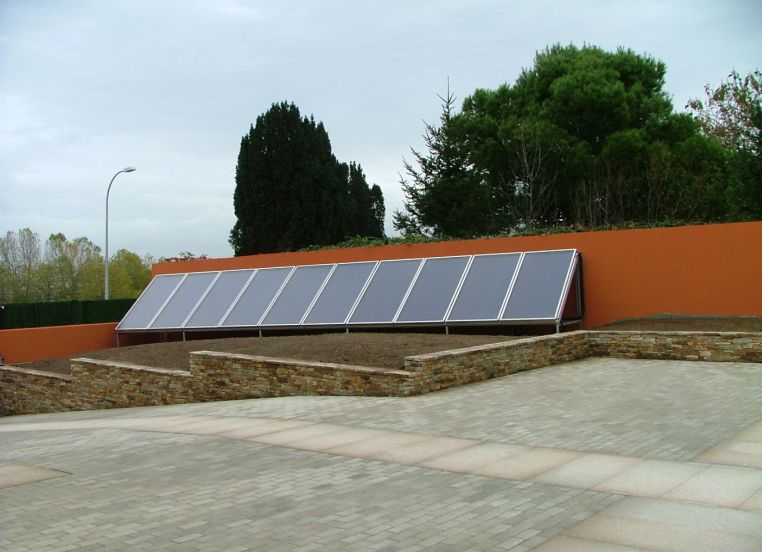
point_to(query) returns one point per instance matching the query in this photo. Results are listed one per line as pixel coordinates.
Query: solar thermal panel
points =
(293, 301)
(539, 285)
(387, 288)
(218, 299)
(256, 298)
(183, 300)
(494, 288)
(433, 290)
(484, 288)
(340, 293)
(150, 302)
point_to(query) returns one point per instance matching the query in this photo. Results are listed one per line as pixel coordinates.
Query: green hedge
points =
(62, 313)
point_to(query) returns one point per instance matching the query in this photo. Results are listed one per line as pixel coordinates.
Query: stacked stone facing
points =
(215, 376)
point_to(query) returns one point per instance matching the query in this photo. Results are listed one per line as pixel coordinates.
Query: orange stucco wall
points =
(700, 270)
(30, 344)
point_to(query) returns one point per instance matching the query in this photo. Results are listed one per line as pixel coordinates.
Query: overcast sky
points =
(171, 86)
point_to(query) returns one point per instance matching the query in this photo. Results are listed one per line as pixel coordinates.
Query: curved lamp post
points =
(108, 191)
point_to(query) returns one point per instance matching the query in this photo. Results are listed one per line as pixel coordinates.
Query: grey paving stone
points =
(165, 488)
(21, 474)
(670, 410)
(151, 488)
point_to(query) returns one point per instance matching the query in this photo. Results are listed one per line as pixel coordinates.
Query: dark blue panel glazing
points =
(150, 302)
(382, 298)
(219, 299)
(539, 286)
(257, 297)
(433, 290)
(182, 302)
(291, 305)
(340, 293)
(483, 291)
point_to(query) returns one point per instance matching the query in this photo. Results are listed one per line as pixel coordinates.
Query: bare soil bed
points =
(385, 350)
(688, 324)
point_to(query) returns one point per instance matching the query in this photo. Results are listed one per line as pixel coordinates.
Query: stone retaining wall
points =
(95, 384)
(444, 369)
(104, 384)
(24, 391)
(92, 385)
(227, 376)
(711, 346)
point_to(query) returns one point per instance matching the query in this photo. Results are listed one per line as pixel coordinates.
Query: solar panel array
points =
(495, 288)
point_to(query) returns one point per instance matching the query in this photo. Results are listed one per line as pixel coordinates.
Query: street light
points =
(108, 191)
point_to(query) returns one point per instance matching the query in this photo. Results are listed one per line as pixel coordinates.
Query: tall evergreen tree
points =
(378, 212)
(291, 191)
(444, 195)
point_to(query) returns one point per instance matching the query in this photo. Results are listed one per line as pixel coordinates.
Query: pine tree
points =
(445, 196)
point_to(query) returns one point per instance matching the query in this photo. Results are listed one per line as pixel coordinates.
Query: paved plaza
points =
(599, 454)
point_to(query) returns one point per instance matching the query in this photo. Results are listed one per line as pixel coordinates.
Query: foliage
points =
(407, 239)
(20, 258)
(183, 256)
(584, 138)
(65, 270)
(732, 113)
(292, 192)
(129, 274)
(444, 195)
(71, 268)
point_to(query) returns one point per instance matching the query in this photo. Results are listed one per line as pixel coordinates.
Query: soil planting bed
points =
(685, 324)
(384, 350)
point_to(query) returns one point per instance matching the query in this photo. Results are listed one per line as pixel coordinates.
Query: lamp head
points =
(129, 169)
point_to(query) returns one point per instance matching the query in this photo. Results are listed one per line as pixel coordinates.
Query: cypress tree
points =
(292, 192)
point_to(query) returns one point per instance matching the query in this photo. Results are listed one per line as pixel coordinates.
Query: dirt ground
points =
(386, 350)
(686, 324)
